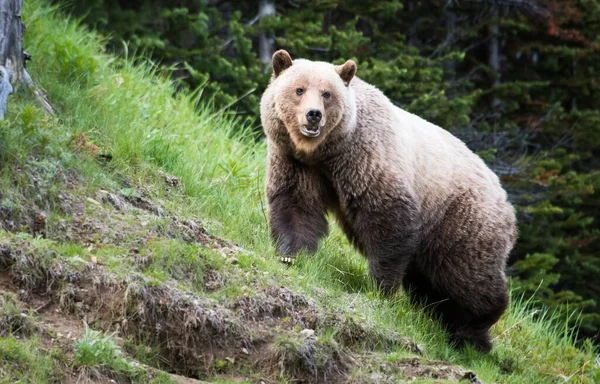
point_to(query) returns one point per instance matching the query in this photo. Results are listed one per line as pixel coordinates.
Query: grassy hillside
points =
(154, 264)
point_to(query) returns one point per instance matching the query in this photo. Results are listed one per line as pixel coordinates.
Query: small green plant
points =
(97, 356)
(98, 353)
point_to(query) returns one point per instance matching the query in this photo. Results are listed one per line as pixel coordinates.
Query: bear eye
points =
(299, 91)
(326, 95)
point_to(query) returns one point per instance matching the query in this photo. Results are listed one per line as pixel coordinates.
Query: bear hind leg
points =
(420, 290)
(464, 256)
(476, 329)
(467, 318)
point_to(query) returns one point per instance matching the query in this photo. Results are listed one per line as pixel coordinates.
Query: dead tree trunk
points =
(266, 41)
(12, 57)
(11, 49)
(11, 37)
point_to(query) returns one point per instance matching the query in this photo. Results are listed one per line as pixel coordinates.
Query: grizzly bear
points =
(424, 210)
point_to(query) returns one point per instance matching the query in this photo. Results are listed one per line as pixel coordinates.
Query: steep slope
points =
(134, 247)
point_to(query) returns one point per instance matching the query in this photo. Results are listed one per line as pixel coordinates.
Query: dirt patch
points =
(145, 204)
(41, 188)
(213, 279)
(170, 180)
(61, 330)
(357, 332)
(118, 203)
(193, 332)
(61, 327)
(408, 369)
(6, 283)
(302, 357)
(275, 305)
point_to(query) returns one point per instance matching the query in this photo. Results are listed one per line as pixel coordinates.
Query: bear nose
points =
(314, 116)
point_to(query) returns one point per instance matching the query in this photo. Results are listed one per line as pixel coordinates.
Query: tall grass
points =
(131, 112)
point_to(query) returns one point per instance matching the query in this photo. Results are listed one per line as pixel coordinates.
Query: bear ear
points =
(281, 61)
(346, 71)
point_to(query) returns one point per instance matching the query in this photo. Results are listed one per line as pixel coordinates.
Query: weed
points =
(97, 354)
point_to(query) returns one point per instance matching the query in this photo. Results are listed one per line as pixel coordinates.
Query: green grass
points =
(26, 361)
(97, 356)
(13, 319)
(129, 111)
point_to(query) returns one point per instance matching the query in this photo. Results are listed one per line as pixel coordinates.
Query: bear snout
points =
(314, 116)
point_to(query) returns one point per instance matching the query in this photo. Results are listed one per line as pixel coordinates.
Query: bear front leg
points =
(297, 198)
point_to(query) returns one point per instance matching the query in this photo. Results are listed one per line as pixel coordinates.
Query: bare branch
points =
(248, 24)
(38, 93)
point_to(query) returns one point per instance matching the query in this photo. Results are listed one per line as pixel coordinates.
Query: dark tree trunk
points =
(494, 54)
(11, 49)
(412, 31)
(450, 65)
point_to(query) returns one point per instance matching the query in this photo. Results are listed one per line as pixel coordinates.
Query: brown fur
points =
(420, 206)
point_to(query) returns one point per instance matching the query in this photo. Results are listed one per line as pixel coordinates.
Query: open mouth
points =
(310, 130)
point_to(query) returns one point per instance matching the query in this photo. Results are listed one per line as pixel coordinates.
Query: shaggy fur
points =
(425, 211)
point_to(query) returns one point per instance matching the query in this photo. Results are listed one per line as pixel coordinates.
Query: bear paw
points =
(287, 260)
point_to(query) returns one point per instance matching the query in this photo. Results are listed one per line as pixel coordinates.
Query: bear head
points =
(311, 99)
